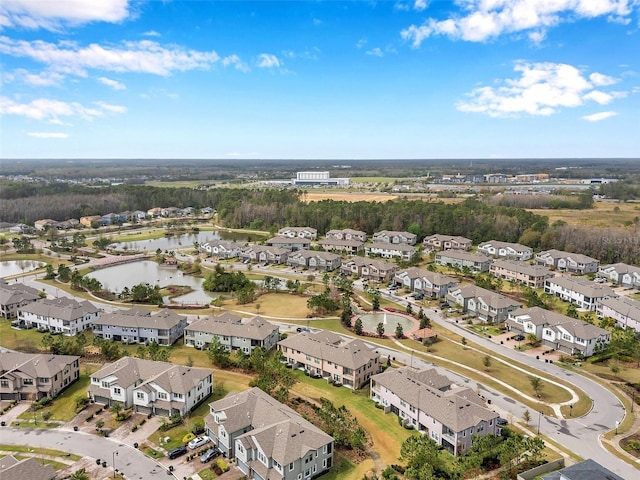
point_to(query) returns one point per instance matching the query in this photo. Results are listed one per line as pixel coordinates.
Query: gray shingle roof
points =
(556, 254)
(624, 306)
(16, 292)
(138, 317)
(535, 271)
(464, 256)
(458, 408)
(62, 308)
(34, 364)
(256, 328)
(582, 286)
(27, 469)
(578, 328)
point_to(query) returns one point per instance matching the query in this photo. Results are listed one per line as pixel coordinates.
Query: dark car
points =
(210, 454)
(176, 452)
(518, 338)
(501, 421)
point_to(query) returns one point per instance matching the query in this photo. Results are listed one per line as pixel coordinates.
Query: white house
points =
(14, 296)
(391, 236)
(485, 304)
(59, 315)
(621, 274)
(511, 251)
(579, 291)
(298, 232)
(268, 439)
(147, 386)
(263, 254)
(233, 332)
(289, 243)
(403, 251)
(558, 331)
(450, 415)
(624, 310)
(221, 248)
(567, 261)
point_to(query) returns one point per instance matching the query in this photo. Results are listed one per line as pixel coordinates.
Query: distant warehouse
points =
(319, 178)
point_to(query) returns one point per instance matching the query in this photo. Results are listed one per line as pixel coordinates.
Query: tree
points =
(486, 361)
(526, 416)
(572, 311)
(117, 409)
(532, 339)
(464, 342)
(537, 385)
(380, 329)
(409, 309)
(399, 331)
(375, 301)
(79, 475)
(218, 353)
(51, 274)
(358, 327)
(101, 243)
(64, 272)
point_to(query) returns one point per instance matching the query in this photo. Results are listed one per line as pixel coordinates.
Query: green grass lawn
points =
(207, 474)
(151, 452)
(40, 451)
(22, 340)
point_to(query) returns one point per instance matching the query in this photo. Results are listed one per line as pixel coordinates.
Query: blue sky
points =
(321, 79)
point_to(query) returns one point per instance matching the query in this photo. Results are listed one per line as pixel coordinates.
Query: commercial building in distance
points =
(319, 178)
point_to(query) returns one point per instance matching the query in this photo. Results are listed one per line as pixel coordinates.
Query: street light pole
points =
(539, 417)
(115, 454)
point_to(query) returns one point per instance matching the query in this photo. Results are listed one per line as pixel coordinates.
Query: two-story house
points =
(558, 331)
(268, 439)
(532, 276)
(351, 247)
(581, 292)
(29, 376)
(624, 310)
(233, 332)
(349, 362)
(59, 315)
(391, 236)
(484, 304)
(221, 248)
(475, 262)
(25, 469)
(621, 274)
(403, 251)
(264, 254)
(313, 260)
(139, 325)
(347, 234)
(290, 244)
(508, 250)
(298, 232)
(567, 261)
(421, 280)
(446, 242)
(448, 414)
(14, 296)
(160, 388)
(369, 269)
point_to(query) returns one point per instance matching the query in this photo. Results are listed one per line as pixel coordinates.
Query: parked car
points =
(210, 454)
(176, 452)
(519, 338)
(198, 442)
(501, 421)
(452, 310)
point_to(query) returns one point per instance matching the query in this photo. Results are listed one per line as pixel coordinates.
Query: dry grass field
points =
(348, 197)
(603, 215)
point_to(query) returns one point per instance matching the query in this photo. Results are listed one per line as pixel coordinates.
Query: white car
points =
(198, 442)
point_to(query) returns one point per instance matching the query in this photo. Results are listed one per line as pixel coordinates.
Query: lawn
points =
(282, 305)
(40, 451)
(22, 340)
(207, 474)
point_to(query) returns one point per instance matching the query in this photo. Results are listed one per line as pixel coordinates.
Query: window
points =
(117, 390)
(140, 395)
(4, 383)
(162, 395)
(27, 381)
(291, 466)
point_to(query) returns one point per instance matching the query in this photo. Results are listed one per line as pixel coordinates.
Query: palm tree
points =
(117, 409)
(79, 475)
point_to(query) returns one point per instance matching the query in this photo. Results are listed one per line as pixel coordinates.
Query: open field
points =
(603, 215)
(348, 197)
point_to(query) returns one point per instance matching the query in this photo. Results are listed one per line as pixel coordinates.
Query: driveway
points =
(131, 462)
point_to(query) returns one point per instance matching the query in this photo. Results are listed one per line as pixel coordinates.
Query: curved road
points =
(131, 462)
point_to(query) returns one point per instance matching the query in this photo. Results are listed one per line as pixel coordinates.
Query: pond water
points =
(186, 240)
(390, 321)
(16, 267)
(117, 277)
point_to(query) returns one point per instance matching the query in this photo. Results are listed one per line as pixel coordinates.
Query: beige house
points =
(328, 355)
(369, 269)
(314, 260)
(351, 247)
(263, 254)
(446, 242)
(234, 332)
(392, 236)
(484, 304)
(29, 376)
(519, 272)
(347, 234)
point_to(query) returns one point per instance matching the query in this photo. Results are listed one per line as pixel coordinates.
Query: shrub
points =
(222, 465)
(134, 428)
(89, 418)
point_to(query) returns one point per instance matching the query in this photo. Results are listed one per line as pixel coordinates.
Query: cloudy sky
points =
(319, 79)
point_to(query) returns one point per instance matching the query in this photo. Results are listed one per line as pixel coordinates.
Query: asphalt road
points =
(131, 462)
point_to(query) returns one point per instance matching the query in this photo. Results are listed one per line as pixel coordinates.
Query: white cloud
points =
(596, 117)
(361, 43)
(116, 85)
(53, 15)
(46, 78)
(143, 56)
(48, 134)
(151, 33)
(375, 52)
(602, 80)
(420, 5)
(108, 107)
(484, 20)
(317, 22)
(541, 89)
(234, 60)
(267, 60)
(49, 110)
